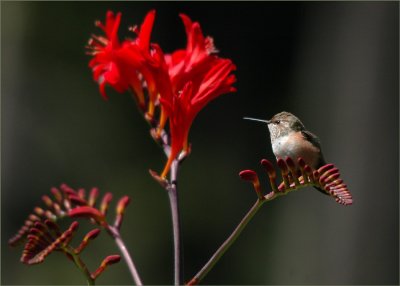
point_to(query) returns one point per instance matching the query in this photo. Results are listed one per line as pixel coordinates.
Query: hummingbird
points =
(290, 138)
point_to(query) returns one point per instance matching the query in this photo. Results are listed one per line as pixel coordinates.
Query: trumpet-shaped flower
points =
(195, 95)
(181, 83)
(197, 77)
(119, 64)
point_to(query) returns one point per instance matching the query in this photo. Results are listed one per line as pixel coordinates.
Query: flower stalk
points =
(227, 243)
(325, 178)
(114, 232)
(176, 225)
(172, 191)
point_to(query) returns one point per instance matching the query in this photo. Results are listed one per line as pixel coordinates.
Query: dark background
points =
(333, 64)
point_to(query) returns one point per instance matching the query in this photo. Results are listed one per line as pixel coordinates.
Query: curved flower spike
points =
(68, 202)
(44, 235)
(41, 243)
(325, 178)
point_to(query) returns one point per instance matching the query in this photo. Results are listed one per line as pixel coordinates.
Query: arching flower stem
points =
(227, 243)
(114, 232)
(232, 238)
(326, 178)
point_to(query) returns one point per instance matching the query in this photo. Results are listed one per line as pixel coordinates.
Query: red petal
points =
(145, 30)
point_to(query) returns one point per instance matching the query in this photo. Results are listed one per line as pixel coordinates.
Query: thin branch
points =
(227, 243)
(172, 191)
(125, 253)
(326, 178)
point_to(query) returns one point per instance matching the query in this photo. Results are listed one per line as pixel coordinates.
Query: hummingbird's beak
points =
(256, 119)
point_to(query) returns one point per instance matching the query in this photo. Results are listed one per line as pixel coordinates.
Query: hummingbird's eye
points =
(277, 122)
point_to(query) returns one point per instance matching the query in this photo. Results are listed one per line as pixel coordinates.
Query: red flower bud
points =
(94, 193)
(269, 168)
(248, 175)
(122, 204)
(88, 212)
(105, 203)
(109, 260)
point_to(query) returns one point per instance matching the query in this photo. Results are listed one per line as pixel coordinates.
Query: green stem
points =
(81, 265)
(227, 243)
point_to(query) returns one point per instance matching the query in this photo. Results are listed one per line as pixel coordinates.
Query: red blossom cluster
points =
(43, 234)
(174, 87)
(326, 179)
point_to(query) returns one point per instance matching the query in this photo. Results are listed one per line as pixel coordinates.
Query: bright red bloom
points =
(118, 64)
(142, 44)
(186, 64)
(197, 77)
(182, 82)
(194, 96)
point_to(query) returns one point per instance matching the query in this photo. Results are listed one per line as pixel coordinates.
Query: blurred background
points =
(333, 64)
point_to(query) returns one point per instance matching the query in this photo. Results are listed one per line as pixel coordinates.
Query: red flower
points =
(186, 64)
(118, 64)
(197, 77)
(194, 96)
(182, 82)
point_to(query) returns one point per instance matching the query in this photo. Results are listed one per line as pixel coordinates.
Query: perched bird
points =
(290, 138)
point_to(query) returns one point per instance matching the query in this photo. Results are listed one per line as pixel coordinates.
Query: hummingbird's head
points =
(283, 123)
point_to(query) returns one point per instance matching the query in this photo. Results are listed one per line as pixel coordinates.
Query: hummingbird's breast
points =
(294, 145)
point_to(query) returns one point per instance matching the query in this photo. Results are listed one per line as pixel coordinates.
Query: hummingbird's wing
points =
(339, 191)
(314, 140)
